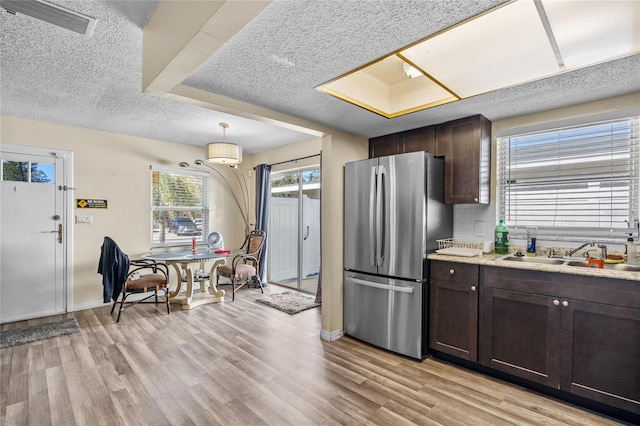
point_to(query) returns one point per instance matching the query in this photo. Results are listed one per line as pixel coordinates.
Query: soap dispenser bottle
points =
(630, 249)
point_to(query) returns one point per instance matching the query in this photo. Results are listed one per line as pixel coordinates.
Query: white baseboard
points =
(90, 305)
(330, 336)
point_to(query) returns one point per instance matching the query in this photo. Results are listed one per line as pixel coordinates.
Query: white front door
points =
(32, 235)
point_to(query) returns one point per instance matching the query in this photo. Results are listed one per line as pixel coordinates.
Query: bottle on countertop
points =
(501, 241)
(630, 249)
(532, 233)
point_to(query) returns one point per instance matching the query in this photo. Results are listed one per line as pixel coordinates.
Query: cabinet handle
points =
(473, 288)
(565, 303)
(556, 302)
(452, 271)
(476, 200)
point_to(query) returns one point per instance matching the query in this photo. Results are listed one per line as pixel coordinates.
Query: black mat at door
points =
(38, 332)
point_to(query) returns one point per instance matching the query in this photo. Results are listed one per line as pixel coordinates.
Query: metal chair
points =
(244, 268)
(122, 277)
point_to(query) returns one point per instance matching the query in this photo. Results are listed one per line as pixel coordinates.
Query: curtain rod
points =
(296, 159)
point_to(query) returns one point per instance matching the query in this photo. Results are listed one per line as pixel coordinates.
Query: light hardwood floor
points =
(244, 363)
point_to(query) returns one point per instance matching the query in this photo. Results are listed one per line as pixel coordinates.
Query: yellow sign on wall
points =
(85, 203)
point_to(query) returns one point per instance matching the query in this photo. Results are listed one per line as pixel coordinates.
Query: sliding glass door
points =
(294, 229)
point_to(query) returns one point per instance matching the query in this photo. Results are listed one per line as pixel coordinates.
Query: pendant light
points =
(224, 152)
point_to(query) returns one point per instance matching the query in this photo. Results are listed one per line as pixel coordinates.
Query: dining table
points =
(192, 268)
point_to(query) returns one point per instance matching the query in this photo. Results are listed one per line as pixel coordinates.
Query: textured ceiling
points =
(275, 62)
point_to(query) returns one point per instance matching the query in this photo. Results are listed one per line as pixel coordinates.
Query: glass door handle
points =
(306, 234)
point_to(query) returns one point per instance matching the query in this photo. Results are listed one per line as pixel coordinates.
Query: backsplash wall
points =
(473, 222)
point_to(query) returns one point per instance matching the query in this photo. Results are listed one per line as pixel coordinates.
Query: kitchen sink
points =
(539, 260)
(568, 262)
(615, 266)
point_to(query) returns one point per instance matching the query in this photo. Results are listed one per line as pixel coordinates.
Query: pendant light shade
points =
(224, 152)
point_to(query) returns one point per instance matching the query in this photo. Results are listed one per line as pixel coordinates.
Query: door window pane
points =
(43, 172)
(15, 171)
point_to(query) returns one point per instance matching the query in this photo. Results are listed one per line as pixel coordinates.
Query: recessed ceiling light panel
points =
(518, 42)
(498, 49)
(596, 31)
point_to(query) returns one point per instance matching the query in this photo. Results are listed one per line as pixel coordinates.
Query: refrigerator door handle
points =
(380, 231)
(382, 286)
(372, 200)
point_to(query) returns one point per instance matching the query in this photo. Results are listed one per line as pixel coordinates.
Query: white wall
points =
(116, 168)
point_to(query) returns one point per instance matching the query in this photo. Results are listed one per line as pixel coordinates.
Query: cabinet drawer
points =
(454, 272)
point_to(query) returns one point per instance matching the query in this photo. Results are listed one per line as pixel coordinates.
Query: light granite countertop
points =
(494, 260)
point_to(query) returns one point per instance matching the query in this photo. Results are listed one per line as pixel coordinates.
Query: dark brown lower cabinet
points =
(453, 322)
(521, 335)
(577, 334)
(600, 353)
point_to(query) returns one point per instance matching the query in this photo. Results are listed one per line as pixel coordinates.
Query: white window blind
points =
(581, 180)
(179, 199)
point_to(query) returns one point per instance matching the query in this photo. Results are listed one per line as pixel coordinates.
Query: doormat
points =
(289, 302)
(38, 332)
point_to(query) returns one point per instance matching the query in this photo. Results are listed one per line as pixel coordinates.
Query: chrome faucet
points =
(574, 251)
(603, 247)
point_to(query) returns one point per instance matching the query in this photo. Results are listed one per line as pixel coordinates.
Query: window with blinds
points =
(581, 180)
(180, 207)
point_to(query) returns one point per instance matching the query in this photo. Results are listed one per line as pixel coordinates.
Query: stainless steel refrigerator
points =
(394, 213)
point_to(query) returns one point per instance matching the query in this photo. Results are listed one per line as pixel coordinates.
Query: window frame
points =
(614, 232)
(204, 209)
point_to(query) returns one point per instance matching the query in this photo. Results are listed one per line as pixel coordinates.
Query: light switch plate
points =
(84, 219)
(479, 228)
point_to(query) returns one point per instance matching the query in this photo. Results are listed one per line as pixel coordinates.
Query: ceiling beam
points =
(181, 35)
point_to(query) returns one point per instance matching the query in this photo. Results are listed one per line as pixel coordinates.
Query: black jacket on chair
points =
(114, 267)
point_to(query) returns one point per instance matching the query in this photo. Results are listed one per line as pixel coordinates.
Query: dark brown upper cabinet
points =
(385, 145)
(467, 159)
(422, 139)
(465, 145)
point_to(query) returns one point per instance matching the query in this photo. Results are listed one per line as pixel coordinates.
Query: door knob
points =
(452, 271)
(556, 302)
(565, 303)
(473, 288)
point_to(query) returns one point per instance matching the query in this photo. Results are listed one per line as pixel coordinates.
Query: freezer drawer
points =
(388, 313)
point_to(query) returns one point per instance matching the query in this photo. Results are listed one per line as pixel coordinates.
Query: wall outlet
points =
(479, 229)
(84, 219)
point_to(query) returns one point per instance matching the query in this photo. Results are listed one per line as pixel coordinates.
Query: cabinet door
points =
(422, 139)
(466, 145)
(454, 319)
(600, 353)
(385, 145)
(453, 313)
(520, 335)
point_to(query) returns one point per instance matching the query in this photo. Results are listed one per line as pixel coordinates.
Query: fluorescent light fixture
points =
(53, 14)
(514, 43)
